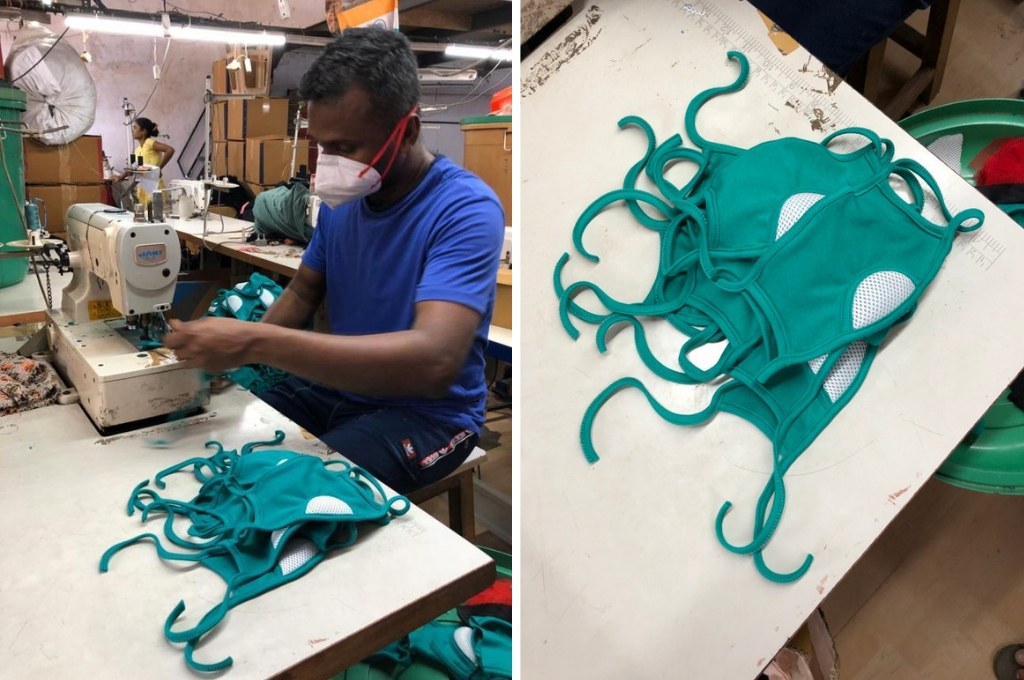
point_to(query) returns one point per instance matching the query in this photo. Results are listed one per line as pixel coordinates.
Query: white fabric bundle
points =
(59, 90)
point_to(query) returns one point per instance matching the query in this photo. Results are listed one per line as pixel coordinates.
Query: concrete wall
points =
(122, 66)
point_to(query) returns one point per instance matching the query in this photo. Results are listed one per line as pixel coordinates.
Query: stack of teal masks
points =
(249, 301)
(261, 519)
(798, 258)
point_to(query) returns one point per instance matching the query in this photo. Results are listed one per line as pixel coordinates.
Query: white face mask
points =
(340, 180)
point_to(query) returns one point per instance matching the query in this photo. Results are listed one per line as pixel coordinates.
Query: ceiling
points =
(473, 22)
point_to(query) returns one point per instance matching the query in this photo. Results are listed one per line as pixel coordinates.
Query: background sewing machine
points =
(105, 337)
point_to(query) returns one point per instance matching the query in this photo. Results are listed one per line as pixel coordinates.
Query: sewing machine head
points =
(120, 267)
(189, 197)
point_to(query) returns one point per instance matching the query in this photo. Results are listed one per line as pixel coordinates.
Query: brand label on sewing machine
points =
(102, 309)
(151, 254)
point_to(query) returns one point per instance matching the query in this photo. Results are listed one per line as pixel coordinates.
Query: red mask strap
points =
(396, 136)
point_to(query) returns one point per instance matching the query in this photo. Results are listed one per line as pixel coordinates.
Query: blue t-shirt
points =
(442, 241)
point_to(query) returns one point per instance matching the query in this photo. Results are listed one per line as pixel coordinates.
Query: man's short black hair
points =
(378, 61)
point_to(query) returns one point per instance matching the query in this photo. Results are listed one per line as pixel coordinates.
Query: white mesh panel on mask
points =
(463, 637)
(845, 370)
(879, 294)
(948, 149)
(793, 209)
(816, 363)
(298, 552)
(327, 505)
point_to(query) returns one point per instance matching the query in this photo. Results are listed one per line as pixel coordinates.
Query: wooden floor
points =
(943, 588)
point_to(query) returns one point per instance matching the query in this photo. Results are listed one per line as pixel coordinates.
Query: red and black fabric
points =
(1004, 166)
(495, 601)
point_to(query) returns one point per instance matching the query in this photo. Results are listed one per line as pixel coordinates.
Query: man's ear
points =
(412, 131)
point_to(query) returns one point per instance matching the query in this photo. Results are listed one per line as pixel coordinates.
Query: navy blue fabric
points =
(440, 242)
(400, 447)
(839, 32)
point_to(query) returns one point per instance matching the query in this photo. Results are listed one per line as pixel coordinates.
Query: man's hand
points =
(212, 343)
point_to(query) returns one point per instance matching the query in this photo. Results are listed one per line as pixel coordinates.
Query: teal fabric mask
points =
(249, 301)
(260, 520)
(798, 257)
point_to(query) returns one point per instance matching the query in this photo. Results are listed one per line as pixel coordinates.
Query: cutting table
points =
(63, 491)
(622, 575)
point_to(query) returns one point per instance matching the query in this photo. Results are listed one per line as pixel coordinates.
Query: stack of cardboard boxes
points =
(63, 175)
(250, 138)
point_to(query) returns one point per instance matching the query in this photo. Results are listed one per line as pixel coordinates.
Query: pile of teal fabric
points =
(798, 257)
(249, 301)
(260, 520)
(280, 213)
(471, 642)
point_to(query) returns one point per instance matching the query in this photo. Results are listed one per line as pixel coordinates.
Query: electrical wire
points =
(46, 54)
(470, 67)
(428, 109)
(157, 83)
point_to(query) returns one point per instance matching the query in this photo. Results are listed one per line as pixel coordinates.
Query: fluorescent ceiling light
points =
(99, 24)
(472, 52)
(224, 35)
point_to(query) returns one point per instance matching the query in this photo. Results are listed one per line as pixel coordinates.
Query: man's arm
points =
(299, 301)
(420, 362)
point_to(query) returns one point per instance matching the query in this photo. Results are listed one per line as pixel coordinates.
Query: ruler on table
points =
(808, 90)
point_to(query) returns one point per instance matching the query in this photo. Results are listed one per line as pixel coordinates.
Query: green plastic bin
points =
(12, 194)
(991, 457)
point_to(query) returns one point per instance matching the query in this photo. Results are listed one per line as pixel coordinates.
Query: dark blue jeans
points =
(400, 447)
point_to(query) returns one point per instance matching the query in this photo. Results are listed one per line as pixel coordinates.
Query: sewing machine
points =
(188, 198)
(105, 337)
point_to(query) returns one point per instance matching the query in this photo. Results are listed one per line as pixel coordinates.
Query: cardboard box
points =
(236, 159)
(219, 76)
(314, 149)
(219, 158)
(257, 118)
(502, 315)
(257, 79)
(228, 158)
(57, 198)
(80, 162)
(268, 160)
(219, 121)
(258, 189)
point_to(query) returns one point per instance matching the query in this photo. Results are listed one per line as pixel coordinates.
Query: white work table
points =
(63, 491)
(226, 235)
(621, 574)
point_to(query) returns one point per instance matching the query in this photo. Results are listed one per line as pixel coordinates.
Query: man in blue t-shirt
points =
(405, 254)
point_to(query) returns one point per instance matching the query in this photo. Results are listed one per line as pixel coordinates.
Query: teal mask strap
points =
(587, 425)
(666, 154)
(690, 120)
(163, 552)
(612, 197)
(629, 183)
(730, 357)
(643, 349)
(278, 438)
(912, 171)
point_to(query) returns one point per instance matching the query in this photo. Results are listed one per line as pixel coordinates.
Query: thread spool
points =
(32, 216)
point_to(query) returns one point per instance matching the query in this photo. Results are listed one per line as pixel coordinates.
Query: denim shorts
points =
(401, 447)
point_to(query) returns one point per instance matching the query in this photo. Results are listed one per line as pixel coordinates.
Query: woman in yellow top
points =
(153, 153)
